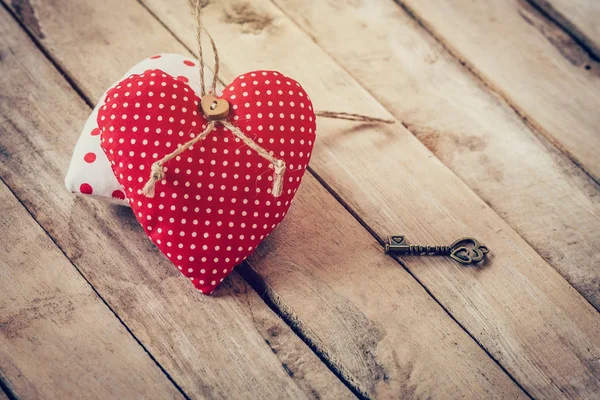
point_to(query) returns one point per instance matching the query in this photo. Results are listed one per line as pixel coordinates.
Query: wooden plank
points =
(579, 17)
(534, 187)
(57, 338)
(530, 61)
(517, 307)
(407, 346)
(230, 345)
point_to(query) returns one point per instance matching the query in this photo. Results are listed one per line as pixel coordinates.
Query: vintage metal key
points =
(464, 250)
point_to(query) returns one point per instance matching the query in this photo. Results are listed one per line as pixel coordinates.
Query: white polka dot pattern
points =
(215, 205)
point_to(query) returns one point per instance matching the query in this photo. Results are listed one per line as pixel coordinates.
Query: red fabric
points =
(214, 206)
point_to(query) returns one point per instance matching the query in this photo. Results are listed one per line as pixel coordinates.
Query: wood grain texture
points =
(533, 63)
(535, 188)
(364, 313)
(523, 312)
(419, 352)
(57, 338)
(213, 347)
(581, 18)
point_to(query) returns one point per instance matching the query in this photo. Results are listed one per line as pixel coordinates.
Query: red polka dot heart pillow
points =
(216, 200)
(89, 171)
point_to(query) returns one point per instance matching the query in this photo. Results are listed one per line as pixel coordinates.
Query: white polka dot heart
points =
(215, 203)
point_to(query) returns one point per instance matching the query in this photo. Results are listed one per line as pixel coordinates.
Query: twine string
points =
(352, 117)
(157, 170)
(197, 8)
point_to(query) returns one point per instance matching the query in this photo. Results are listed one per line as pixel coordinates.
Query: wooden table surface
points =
(496, 137)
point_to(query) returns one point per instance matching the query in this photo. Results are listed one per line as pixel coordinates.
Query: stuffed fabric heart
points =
(215, 204)
(89, 171)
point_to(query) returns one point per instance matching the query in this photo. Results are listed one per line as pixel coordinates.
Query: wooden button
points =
(214, 108)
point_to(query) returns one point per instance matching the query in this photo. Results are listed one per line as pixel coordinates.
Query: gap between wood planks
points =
(255, 281)
(563, 23)
(5, 389)
(259, 285)
(535, 127)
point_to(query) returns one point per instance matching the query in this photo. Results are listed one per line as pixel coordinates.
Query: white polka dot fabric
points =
(90, 172)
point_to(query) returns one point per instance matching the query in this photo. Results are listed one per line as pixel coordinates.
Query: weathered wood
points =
(534, 187)
(213, 347)
(408, 347)
(581, 18)
(523, 312)
(57, 338)
(363, 311)
(543, 73)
